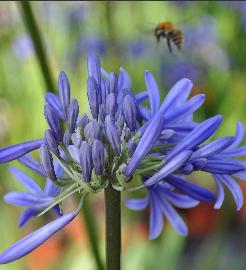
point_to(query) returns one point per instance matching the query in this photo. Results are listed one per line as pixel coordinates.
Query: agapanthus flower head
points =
(124, 135)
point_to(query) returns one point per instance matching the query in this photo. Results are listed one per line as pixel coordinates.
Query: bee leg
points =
(169, 45)
(158, 39)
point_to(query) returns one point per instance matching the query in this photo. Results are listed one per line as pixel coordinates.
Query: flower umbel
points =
(122, 138)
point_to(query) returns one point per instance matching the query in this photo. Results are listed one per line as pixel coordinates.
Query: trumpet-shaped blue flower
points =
(161, 200)
(34, 199)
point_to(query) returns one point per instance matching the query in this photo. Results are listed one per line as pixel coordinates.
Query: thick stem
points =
(92, 233)
(113, 228)
(32, 28)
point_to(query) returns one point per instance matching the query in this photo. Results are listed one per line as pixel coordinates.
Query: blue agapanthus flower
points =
(161, 198)
(125, 135)
(34, 199)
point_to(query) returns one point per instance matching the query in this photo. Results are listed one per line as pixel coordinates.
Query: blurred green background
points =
(121, 33)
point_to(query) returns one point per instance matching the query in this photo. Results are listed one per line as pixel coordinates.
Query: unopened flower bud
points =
(53, 121)
(47, 162)
(74, 152)
(111, 105)
(82, 122)
(113, 137)
(92, 130)
(93, 96)
(112, 83)
(86, 160)
(67, 138)
(75, 139)
(130, 112)
(98, 156)
(73, 112)
(64, 92)
(51, 142)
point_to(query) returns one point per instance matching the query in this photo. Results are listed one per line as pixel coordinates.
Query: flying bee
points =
(171, 33)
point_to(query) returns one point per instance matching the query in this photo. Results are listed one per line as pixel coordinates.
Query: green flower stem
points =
(92, 232)
(113, 228)
(32, 28)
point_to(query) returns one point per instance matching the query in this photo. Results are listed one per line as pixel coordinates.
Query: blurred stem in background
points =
(92, 231)
(32, 28)
(35, 34)
(113, 228)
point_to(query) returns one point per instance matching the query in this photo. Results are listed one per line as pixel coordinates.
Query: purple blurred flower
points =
(203, 42)
(172, 72)
(240, 6)
(23, 47)
(92, 44)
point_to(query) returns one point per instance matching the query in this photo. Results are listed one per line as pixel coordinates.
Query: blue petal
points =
(93, 96)
(201, 133)
(238, 136)
(173, 217)
(212, 148)
(182, 127)
(194, 191)
(18, 150)
(47, 162)
(26, 181)
(186, 109)
(64, 92)
(177, 95)
(220, 193)
(167, 133)
(156, 218)
(241, 175)
(142, 96)
(27, 215)
(137, 204)
(93, 66)
(145, 113)
(169, 168)
(130, 112)
(179, 200)
(98, 156)
(32, 164)
(153, 92)
(113, 137)
(26, 199)
(147, 141)
(86, 160)
(50, 188)
(58, 169)
(241, 151)
(74, 152)
(53, 121)
(104, 73)
(235, 189)
(35, 239)
(222, 166)
(53, 101)
(124, 80)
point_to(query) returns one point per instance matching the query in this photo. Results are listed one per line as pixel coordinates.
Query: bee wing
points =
(149, 30)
